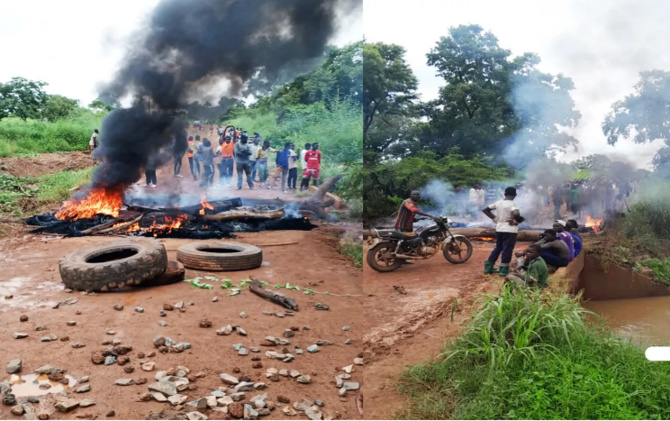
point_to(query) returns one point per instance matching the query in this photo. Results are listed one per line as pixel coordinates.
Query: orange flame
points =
(594, 224)
(205, 205)
(98, 202)
(486, 239)
(166, 227)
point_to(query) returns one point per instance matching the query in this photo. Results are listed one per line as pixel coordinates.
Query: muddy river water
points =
(646, 321)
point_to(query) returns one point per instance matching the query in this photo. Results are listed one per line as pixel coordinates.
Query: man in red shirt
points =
(408, 210)
(313, 159)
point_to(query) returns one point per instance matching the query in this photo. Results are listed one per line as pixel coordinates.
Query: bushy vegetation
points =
(529, 356)
(26, 196)
(29, 137)
(354, 251)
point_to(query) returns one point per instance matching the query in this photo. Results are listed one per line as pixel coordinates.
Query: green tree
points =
(59, 107)
(389, 89)
(22, 98)
(104, 104)
(644, 115)
(493, 101)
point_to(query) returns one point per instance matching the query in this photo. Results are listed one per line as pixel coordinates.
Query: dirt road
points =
(405, 329)
(30, 273)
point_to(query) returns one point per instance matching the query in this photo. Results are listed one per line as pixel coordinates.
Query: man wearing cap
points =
(507, 219)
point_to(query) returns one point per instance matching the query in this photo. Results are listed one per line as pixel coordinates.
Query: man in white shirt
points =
(507, 219)
(303, 162)
(93, 143)
(254, 146)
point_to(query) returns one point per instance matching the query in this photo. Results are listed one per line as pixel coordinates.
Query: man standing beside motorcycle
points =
(408, 211)
(507, 219)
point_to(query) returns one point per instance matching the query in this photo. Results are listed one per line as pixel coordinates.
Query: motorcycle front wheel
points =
(381, 259)
(458, 250)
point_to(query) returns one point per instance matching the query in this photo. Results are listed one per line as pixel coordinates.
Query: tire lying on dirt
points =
(220, 256)
(174, 273)
(116, 264)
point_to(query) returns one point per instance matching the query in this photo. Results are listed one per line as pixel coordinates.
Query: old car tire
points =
(220, 256)
(174, 273)
(116, 264)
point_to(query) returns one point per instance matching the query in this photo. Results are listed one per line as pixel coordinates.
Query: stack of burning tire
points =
(144, 262)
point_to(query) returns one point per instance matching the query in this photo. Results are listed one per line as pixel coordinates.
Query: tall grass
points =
(354, 251)
(528, 356)
(30, 137)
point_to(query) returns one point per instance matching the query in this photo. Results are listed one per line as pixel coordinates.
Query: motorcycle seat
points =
(398, 235)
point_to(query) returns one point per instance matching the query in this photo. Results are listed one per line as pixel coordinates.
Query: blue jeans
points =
(505, 242)
(552, 260)
(244, 168)
(254, 169)
(262, 168)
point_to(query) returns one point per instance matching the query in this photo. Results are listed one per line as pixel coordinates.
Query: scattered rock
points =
(163, 386)
(257, 364)
(65, 338)
(17, 410)
(151, 354)
(71, 322)
(118, 307)
(41, 328)
(267, 313)
(321, 306)
(97, 357)
(83, 389)
(348, 369)
(19, 335)
(304, 379)
(9, 297)
(225, 331)
(14, 366)
(288, 333)
(322, 342)
(8, 399)
(162, 323)
(83, 380)
(351, 386)
(313, 348)
(124, 382)
(168, 307)
(139, 310)
(289, 411)
(111, 413)
(45, 339)
(347, 342)
(190, 303)
(241, 331)
(158, 396)
(358, 361)
(141, 380)
(23, 318)
(215, 299)
(279, 314)
(77, 345)
(195, 416)
(243, 352)
(66, 405)
(319, 402)
(294, 374)
(283, 372)
(243, 315)
(313, 413)
(110, 332)
(346, 328)
(149, 366)
(205, 323)
(129, 369)
(110, 359)
(303, 404)
(250, 413)
(228, 379)
(86, 403)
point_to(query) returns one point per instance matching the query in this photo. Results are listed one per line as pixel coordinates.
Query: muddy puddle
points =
(35, 385)
(646, 321)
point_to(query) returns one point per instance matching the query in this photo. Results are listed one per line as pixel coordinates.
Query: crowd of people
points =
(234, 152)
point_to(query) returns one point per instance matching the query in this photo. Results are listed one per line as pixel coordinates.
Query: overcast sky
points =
(73, 45)
(601, 45)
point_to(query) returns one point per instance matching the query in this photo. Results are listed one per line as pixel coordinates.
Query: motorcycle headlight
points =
(449, 222)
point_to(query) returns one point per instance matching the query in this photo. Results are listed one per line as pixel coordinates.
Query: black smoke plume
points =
(191, 44)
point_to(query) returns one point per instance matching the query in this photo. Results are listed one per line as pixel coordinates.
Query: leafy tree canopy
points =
(22, 98)
(58, 107)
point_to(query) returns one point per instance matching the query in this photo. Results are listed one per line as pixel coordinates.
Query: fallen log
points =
(100, 227)
(245, 215)
(523, 235)
(120, 227)
(257, 288)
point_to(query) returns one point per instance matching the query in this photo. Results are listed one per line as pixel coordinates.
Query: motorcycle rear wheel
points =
(376, 262)
(458, 250)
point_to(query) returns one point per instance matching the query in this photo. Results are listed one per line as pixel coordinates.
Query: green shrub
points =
(528, 356)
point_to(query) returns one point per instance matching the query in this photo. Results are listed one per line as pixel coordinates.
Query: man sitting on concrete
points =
(553, 250)
(534, 271)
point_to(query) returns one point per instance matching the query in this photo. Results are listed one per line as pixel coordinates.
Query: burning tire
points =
(115, 265)
(220, 256)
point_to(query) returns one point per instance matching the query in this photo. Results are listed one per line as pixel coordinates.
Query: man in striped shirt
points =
(408, 210)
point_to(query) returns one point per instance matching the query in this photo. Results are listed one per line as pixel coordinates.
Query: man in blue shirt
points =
(282, 166)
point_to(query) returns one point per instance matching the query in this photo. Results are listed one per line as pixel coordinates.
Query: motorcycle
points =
(389, 248)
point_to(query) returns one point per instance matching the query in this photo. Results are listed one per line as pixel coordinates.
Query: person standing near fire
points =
(313, 158)
(192, 159)
(292, 168)
(262, 162)
(207, 159)
(303, 162)
(282, 167)
(254, 145)
(242, 152)
(507, 219)
(93, 143)
(150, 172)
(226, 150)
